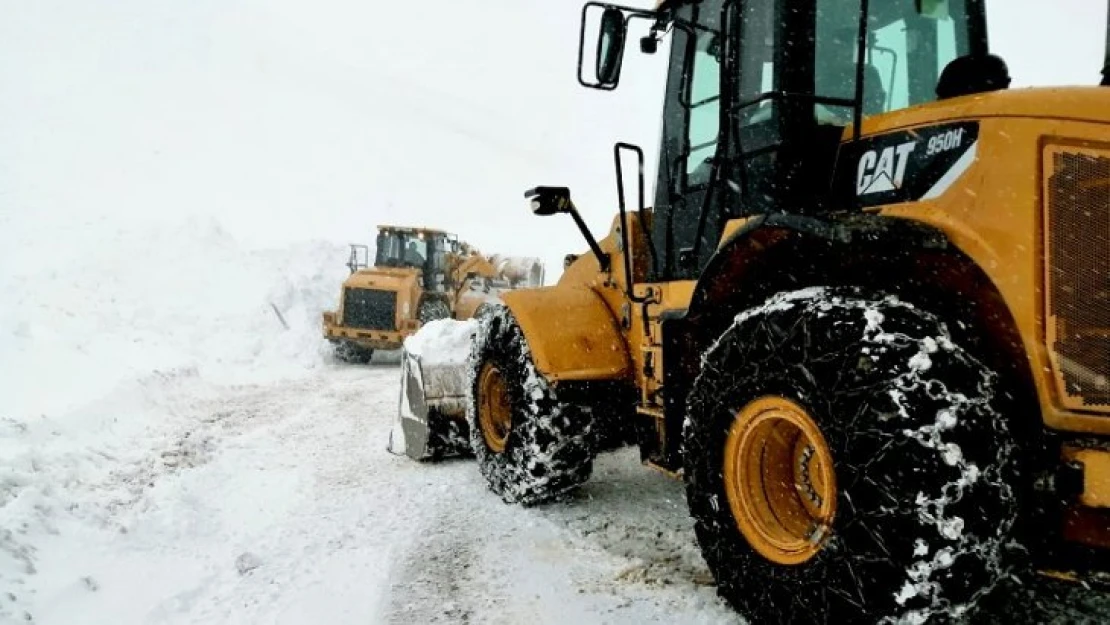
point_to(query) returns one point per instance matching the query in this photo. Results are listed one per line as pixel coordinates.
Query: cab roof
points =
(414, 229)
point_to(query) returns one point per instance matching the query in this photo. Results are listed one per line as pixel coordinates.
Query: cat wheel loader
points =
(866, 320)
(419, 275)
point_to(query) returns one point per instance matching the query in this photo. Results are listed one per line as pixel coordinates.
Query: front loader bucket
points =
(431, 413)
(410, 429)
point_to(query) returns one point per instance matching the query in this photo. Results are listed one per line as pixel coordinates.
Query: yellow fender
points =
(572, 334)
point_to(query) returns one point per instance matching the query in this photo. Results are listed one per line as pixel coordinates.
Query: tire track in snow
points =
(435, 578)
(296, 474)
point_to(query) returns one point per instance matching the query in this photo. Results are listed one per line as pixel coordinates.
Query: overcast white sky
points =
(286, 119)
(1049, 42)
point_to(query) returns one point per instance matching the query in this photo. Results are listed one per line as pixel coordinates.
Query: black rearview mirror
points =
(546, 201)
(555, 200)
(610, 46)
(608, 25)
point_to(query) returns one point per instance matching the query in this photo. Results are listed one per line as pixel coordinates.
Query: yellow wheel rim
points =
(779, 480)
(494, 412)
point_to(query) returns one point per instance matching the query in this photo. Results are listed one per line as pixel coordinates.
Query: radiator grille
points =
(369, 309)
(1078, 274)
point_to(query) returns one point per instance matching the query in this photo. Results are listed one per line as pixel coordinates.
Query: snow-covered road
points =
(280, 504)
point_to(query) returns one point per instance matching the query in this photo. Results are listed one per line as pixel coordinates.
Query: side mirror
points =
(611, 32)
(553, 200)
(610, 46)
(549, 200)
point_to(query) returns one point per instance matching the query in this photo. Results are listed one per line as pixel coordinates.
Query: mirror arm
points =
(553, 200)
(602, 258)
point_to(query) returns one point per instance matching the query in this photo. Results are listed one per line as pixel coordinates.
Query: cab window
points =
(415, 252)
(705, 97)
(909, 44)
(389, 249)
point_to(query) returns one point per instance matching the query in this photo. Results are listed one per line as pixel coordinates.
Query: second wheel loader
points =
(419, 275)
(866, 320)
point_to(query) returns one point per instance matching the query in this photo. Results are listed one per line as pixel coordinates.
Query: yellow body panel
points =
(584, 327)
(1063, 104)
(405, 283)
(1096, 475)
(994, 215)
(573, 335)
(372, 339)
(731, 227)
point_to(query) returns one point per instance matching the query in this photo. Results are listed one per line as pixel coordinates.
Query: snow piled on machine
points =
(442, 342)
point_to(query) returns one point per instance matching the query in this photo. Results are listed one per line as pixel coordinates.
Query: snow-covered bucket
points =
(432, 401)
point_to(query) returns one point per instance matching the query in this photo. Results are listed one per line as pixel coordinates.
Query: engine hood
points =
(390, 279)
(1083, 104)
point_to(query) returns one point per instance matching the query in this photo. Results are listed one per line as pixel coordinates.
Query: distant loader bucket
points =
(431, 415)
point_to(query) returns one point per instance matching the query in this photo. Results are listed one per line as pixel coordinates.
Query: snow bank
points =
(110, 333)
(88, 309)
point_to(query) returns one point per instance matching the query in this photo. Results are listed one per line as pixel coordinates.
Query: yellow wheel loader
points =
(419, 275)
(866, 320)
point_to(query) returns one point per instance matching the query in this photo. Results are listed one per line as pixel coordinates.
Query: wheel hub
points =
(494, 411)
(779, 480)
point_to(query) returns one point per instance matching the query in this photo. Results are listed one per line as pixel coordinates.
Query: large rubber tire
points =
(925, 463)
(353, 353)
(447, 437)
(548, 450)
(485, 309)
(433, 309)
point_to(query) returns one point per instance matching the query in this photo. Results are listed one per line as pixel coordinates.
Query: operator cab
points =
(419, 249)
(761, 95)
